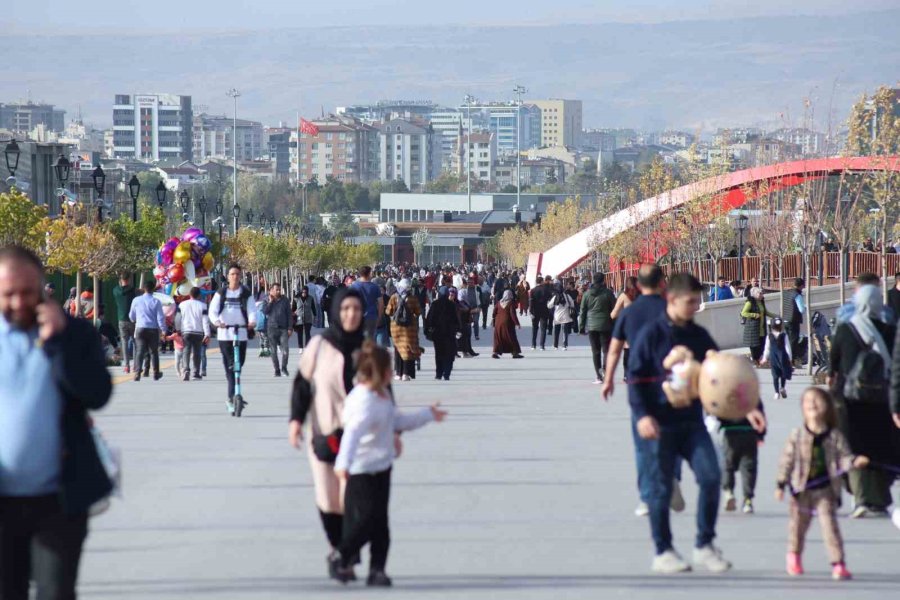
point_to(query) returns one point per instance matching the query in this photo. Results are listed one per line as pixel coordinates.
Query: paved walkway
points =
(526, 491)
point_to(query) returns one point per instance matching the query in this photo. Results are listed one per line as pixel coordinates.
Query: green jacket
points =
(596, 305)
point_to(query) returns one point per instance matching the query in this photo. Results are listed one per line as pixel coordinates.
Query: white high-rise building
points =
(153, 127)
(213, 138)
(409, 151)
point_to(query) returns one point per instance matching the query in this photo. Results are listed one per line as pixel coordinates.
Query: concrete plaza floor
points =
(526, 491)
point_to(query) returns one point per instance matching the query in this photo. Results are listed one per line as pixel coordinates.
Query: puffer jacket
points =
(562, 305)
(596, 306)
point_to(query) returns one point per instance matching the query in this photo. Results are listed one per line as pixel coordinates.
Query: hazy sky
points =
(166, 16)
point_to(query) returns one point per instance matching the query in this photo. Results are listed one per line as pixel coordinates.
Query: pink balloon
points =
(191, 233)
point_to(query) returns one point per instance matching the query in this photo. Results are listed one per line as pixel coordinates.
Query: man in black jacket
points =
(540, 314)
(52, 371)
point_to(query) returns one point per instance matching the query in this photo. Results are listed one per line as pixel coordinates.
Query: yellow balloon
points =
(208, 261)
(182, 253)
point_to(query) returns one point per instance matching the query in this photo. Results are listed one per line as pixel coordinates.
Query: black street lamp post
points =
(12, 153)
(134, 190)
(62, 168)
(203, 214)
(161, 194)
(99, 178)
(249, 216)
(236, 213)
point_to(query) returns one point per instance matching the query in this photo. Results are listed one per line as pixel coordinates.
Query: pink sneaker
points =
(794, 564)
(839, 572)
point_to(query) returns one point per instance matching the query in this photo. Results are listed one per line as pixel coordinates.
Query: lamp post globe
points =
(99, 178)
(183, 200)
(219, 207)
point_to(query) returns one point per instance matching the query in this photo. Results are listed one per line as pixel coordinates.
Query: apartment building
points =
(410, 151)
(214, 136)
(22, 117)
(479, 152)
(561, 122)
(153, 127)
(343, 147)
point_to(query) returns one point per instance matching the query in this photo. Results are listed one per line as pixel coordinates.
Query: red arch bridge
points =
(731, 190)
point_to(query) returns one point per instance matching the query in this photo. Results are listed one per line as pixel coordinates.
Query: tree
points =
(22, 222)
(420, 239)
(343, 225)
(446, 183)
(139, 239)
(357, 196)
(334, 198)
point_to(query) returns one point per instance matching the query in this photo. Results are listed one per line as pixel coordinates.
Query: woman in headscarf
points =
(304, 315)
(441, 327)
(324, 378)
(403, 310)
(523, 291)
(866, 420)
(754, 314)
(506, 321)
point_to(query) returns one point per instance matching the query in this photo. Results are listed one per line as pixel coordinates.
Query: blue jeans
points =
(692, 442)
(383, 337)
(643, 452)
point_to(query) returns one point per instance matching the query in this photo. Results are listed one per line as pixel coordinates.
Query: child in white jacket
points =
(364, 460)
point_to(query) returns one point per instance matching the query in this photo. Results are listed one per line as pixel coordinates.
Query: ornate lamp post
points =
(134, 190)
(99, 178)
(161, 194)
(12, 153)
(62, 168)
(203, 214)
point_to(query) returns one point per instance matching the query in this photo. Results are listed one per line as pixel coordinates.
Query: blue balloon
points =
(202, 242)
(168, 289)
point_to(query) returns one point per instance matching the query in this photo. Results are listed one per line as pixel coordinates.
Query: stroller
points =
(821, 330)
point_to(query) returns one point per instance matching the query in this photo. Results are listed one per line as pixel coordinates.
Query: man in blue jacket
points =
(678, 431)
(51, 372)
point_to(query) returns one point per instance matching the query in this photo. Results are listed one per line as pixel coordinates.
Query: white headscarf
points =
(507, 299)
(869, 305)
(402, 286)
(756, 293)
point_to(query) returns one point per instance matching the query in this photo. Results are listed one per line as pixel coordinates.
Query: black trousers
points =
(539, 323)
(193, 342)
(404, 367)
(740, 450)
(303, 333)
(484, 312)
(793, 334)
(566, 328)
(147, 342)
(40, 542)
(599, 349)
(444, 355)
(366, 518)
(227, 351)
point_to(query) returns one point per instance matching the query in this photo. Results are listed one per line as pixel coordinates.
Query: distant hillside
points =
(681, 74)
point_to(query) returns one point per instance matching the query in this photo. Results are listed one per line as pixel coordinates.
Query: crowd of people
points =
(360, 334)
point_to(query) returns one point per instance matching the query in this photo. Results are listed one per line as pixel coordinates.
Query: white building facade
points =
(152, 127)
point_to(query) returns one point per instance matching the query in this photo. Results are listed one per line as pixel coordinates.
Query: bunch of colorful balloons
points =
(184, 263)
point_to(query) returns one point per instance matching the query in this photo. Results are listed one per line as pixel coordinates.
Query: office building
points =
(213, 137)
(153, 127)
(22, 117)
(501, 119)
(561, 122)
(410, 151)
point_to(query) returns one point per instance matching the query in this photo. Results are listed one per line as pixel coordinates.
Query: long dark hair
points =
(631, 288)
(831, 418)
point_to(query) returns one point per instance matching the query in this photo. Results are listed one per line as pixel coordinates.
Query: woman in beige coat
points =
(324, 378)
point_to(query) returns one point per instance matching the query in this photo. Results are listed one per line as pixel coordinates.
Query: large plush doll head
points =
(728, 386)
(726, 383)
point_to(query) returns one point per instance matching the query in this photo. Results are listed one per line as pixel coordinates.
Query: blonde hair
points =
(374, 365)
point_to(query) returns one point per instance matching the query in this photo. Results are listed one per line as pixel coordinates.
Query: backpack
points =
(401, 315)
(866, 381)
(245, 295)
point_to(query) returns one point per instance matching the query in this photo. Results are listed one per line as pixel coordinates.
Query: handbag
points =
(111, 460)
(324, 446)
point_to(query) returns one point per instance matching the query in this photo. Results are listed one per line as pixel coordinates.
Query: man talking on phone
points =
(52, 372)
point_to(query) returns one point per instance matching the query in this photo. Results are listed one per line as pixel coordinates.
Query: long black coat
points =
(79, 370)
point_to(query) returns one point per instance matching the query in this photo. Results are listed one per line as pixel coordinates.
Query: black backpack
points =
(401, 315)
(866, 381)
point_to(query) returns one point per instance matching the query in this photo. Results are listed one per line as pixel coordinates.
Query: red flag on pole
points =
(307, 127)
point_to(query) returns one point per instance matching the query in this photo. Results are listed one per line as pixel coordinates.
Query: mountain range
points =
(694, 75)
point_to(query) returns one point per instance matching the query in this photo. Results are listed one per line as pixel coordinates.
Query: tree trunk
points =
(781, 285)
(78, 294)
(843, 277)
(96, 301)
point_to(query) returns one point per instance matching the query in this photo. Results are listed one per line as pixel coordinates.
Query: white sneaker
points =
(406, 378)
(669, 562)
(396, 378)
(730, 501)
(642, 510)
(597, 381)
(777, 396)
(895, 517)
(676, 503)
(711, 558)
